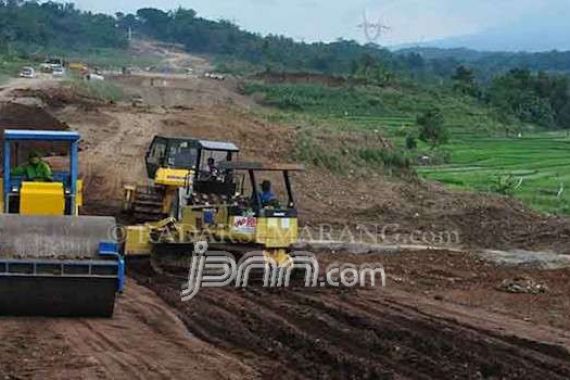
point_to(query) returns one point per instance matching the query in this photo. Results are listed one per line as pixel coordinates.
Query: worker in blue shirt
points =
(266, 197)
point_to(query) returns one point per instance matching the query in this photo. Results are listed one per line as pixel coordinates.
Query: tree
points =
(27, 26)
(464, 81)
(564, 116)
(154, 21)
(432, 128)
(541, 98)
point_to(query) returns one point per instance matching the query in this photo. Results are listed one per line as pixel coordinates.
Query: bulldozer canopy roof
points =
(224, 146)
(218, 145)
(259, 166)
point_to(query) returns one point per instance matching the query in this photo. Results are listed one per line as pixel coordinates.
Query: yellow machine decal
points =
(171, 177)
(244, 224)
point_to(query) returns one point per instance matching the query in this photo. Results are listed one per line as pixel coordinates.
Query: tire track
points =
(338, 334)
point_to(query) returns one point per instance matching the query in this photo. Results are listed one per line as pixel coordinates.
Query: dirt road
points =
(144, 340)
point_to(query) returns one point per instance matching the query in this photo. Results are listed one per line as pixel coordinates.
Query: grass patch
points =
(309, 151)
(320, 99)
(10, 66)
(392, 111)
(322, 151)
(229, 65)
(101, 90)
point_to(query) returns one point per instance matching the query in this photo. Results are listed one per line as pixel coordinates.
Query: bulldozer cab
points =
(58, 195)
(177, 167)
(264, 189)
(170, 153)
(185, 154)
(210, 176)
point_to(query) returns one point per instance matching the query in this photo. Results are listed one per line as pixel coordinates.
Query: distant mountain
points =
(487, 63)
(460, 54)
(531, 35)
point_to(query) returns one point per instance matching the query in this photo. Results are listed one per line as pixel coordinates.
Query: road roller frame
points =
(54, 262)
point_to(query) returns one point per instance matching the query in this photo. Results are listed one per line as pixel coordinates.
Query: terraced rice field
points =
(538, 167)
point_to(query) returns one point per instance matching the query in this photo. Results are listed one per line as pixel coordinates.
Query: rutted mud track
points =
(365, 334)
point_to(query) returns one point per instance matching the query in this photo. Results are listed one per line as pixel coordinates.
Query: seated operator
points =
(266, 196)
(210, 172)
(212, 169)
(35, 170)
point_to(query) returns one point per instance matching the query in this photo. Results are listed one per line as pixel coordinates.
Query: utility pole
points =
(372, 31)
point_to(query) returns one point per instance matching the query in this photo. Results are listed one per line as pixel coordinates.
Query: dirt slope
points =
(144, 340)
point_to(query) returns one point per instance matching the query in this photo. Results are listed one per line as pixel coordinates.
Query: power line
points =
(372, 30)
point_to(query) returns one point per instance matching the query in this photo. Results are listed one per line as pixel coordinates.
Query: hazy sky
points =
(311, 20)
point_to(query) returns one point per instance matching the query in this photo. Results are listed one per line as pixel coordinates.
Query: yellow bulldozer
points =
(53, 262)
(171, 164)
(229, 212)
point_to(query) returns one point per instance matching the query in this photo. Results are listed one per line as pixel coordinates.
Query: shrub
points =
(505, 185)
(411, 142)
(387, 158)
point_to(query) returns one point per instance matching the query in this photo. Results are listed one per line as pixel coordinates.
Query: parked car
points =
(94, 77)
(215, 76)
(58, 71)
(28, 72)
